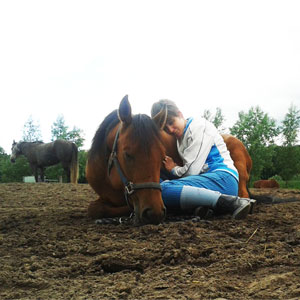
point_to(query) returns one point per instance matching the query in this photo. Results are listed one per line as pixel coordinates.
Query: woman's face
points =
(176, 126)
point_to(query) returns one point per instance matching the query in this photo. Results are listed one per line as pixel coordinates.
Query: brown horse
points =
(261, 184)
(41, 155)
(238, 153)
(123, 167)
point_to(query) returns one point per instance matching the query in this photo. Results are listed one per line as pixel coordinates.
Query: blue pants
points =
(198, 190)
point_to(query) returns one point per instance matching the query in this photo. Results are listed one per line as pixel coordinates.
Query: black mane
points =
(98, 143)
(143, 129)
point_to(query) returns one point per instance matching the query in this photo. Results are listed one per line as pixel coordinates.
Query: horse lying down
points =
(123, 167)
(124, 164)
(271, 183)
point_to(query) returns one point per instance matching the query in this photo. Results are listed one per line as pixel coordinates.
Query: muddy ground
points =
(49, 249)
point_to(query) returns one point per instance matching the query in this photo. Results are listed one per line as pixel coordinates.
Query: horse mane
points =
(34, 142)
(98, 143)
(143, 129)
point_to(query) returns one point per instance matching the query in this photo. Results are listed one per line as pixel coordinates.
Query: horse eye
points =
(128, 156)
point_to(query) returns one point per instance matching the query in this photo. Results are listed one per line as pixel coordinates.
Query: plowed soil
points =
(49, 249)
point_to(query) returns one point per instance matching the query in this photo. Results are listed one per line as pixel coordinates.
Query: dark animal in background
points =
(260, 184)
(123, 167)
(41, 155)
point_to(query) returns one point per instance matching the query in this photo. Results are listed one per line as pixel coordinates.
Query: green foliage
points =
(216, 119)
(76, 136)
(287, 161)
(290, 126)
(257, 131)
(82, 158)
(61, 131)
(55, 172)
(10, 172)
(2, 152)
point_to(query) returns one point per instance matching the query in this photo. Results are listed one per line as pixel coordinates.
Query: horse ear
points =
(160, 118)
(124, 111)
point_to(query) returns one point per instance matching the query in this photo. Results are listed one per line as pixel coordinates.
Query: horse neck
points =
(170, 144)
(26, 148)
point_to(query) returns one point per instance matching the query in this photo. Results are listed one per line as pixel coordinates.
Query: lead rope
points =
(116, 221)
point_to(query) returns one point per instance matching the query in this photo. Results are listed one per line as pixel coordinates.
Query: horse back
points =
(242, 161)
(50, 154)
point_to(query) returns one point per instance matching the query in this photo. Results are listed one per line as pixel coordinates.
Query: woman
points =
(208, 177)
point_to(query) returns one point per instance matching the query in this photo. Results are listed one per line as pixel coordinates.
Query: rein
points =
(130, 187)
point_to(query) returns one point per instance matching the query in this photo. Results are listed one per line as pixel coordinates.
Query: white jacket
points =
(202, 149)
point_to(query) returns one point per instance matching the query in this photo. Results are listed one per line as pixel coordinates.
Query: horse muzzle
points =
(149, 216)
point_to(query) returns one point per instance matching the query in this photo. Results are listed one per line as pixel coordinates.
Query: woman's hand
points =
(169, 163)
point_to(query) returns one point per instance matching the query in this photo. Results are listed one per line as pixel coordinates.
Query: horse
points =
(41, 155)
(271, 183)
(236, 148)
(123, 167)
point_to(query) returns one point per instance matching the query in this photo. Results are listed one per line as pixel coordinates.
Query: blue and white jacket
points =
(202, 150)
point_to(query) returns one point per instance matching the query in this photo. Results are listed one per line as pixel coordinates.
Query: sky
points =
(78, 59)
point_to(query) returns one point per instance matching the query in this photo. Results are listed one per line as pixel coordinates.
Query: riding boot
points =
(203, 212)
(238, 207)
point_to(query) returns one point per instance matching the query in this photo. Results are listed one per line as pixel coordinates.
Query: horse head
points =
(15, 151)
(139, 153)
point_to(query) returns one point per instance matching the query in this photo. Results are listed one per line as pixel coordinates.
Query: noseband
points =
(130, 187)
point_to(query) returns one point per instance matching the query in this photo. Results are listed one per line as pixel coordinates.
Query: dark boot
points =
(238, 207)
(203, 212)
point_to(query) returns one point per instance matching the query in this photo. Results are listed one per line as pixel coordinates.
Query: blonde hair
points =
(169, 105)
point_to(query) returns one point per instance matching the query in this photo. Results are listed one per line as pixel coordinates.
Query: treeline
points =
(273, 146)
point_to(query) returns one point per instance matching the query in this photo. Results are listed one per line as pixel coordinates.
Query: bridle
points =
(130, 187)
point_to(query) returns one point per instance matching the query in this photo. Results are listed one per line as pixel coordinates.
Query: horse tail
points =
(74, 170)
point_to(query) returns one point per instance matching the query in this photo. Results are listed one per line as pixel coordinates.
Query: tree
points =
(59, 130)
(287, 161)
(290, 126)
(13, 172)
(2, 151)
(76, 136)
(287, 156)
(31, 131)
(217, 119)
(257, 131)
(82, 158)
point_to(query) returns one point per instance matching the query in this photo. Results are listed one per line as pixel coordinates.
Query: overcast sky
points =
(79, 58)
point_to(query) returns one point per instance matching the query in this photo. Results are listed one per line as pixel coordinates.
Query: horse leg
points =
(35, 172)
(67, 172)
(42, 174)
(102, 209)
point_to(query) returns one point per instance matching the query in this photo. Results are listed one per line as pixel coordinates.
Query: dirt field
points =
(49, 249)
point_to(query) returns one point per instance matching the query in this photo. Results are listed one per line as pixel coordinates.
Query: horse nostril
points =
(149, 217)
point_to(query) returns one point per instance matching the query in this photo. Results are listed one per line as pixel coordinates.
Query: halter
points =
(130, 187)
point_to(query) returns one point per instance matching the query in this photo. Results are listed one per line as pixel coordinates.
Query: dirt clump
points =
(49, 249)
